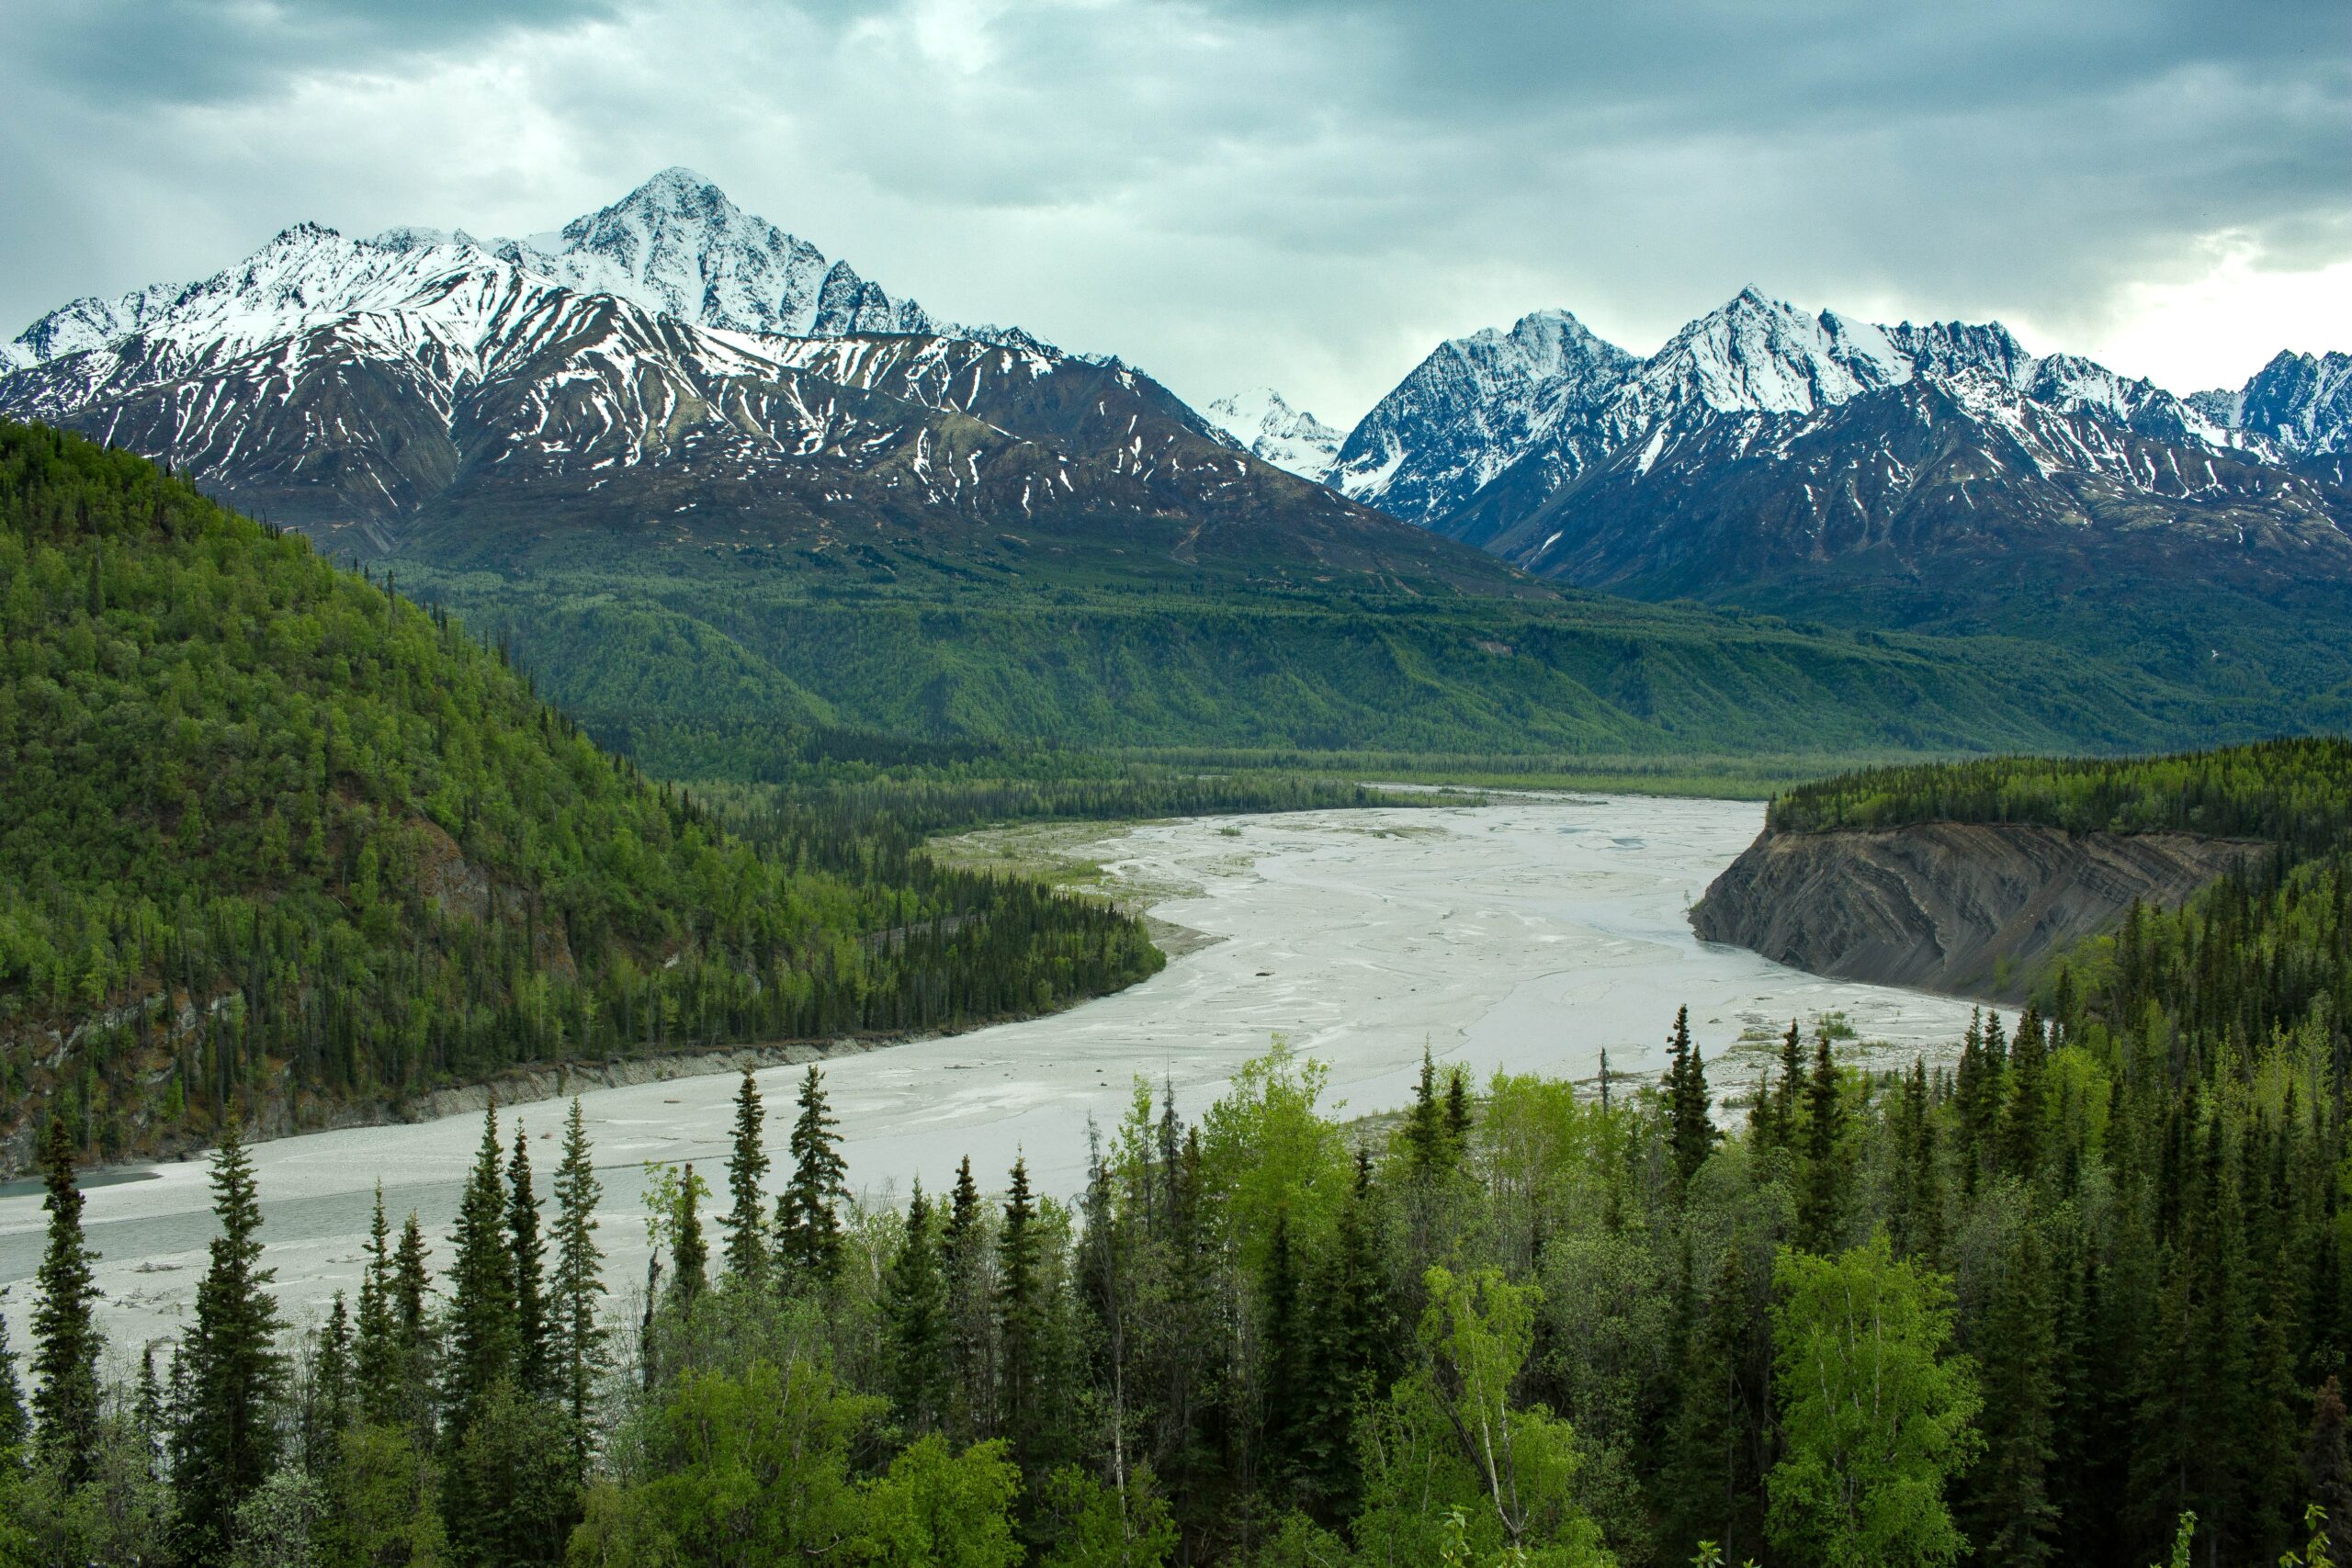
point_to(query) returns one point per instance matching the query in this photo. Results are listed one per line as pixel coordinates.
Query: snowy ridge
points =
(2300, 403)
(1473, 407)
(1262, 423)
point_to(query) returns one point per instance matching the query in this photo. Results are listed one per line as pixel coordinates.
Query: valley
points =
(1521, 937)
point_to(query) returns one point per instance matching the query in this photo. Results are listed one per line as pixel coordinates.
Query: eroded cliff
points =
(1968, 910)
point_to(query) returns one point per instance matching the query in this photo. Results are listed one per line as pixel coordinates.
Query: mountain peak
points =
(1265, 424)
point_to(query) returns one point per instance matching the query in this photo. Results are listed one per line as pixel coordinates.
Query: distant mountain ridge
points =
(666, 372)
(1263, 423)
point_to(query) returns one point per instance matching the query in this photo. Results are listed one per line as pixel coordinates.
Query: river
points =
(1527, 934)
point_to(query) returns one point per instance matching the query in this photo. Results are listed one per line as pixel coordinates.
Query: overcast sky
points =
(1306, 193)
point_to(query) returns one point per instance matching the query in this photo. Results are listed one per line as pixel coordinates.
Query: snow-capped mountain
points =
(676, 245)
(427, 388)
(1262, 423)
(1472, 409)
(2303, 402)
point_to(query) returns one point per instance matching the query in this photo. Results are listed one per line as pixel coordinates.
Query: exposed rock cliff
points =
(1968, 910)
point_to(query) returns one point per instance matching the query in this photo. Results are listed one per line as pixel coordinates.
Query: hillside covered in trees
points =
(2078, 1299)
(277, 836)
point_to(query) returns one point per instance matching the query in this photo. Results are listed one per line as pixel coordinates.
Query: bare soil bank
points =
(1967, 909)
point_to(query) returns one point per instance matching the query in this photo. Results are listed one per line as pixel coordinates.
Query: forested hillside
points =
(277, 835)
(2078, 1299)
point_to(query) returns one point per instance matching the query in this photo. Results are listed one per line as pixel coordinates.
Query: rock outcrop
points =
(1969, 910)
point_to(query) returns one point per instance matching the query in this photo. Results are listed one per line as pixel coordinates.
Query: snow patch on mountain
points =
(1262, 423)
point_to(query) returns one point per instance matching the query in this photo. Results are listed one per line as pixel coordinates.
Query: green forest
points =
(2077, 1297)
(279, 836)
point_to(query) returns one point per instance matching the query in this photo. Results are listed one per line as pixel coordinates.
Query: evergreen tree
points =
(2013, 1519)
(971, 1311)
(747, 1169)
(578, 1328)
(65, 1332)
(420, 1348)
(226, 1444)
(481, 1331)
(1720, 1438)
(533, 1353)
(1689, 1104)
(2021, 1106)
(915, 1302)
(807, 1227)
(689, 1253)
(1282, 1352)
(14, 1424)
(1821, 1189)
(151, 1418)
(378, 1354)
(1789, 1093)
(1423, 1133)
(330, 1399)
(1457, 1112)
(1353, 1346)
(1022, 1324)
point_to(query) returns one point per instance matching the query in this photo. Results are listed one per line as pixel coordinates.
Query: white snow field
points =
(1527, 934)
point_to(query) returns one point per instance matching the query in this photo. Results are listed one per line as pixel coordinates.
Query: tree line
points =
(280, 837)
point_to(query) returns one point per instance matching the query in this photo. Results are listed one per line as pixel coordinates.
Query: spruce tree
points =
(1022, 1324)
(1719, 1438)
(808, 1234)
(689, 1253)
(1457, 1112)
(578, 1332)
(65, 1332)
(1353, 1344)
(2327, 1468)
(14, 1424)
(149, 1417)
(1283, 1354)
(2022, 1104)
(534, 1359)
(420, 1347)
(971, 1308)
(377, 1354)
(747, 1168)
(1690, 1103)
(482, 1314)
(1789, 1093)
(1821, 1189)
(327, 1406)
(1423, 1134)
(2013, 1519)
(915, 1304)
(226, 1444)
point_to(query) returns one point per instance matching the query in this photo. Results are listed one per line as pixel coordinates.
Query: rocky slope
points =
(1263, 423)
(1964, 908)
(667, 373)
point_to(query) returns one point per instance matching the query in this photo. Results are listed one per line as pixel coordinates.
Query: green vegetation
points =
(713, 663)
(277, 836)
(2078, 1299)
(2293, 792)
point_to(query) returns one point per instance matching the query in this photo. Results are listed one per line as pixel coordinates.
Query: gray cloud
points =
(1303, 191)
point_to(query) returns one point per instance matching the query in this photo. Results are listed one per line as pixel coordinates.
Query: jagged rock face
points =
(1963, 909)
(422, 389)
(1263, 423)
(2301, 401)
(1476, 407)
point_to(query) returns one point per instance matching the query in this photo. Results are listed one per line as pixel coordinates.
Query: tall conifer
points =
(579, 1328)
(747, 1168)
(533, 1357)
(808, 1235)
(482, 1313)
(915, 1301)
(227, 1441)
(65, 1331)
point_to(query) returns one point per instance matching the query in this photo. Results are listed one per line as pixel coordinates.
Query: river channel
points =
(1525, 934)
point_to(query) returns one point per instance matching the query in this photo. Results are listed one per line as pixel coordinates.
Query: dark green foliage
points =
(14, 1421)
(916, 1311)
(1821, 1182)
(227, 1439)
(534, 1359)
(808, 1217)
(1690, 1106)
(481, 1325)
(65, 1333)
(300, 840)
(747, 1168)
(577, 1331)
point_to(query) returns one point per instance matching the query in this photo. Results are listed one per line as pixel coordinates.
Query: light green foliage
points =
(1453, 1443)
(731, 1472)
(1097, 1526)
(935, 1508)
(1266, 1147)
(384, 1497)
(1874, 1410)
(274, 1526)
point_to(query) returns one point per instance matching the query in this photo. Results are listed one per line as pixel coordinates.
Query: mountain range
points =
(671, 379)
